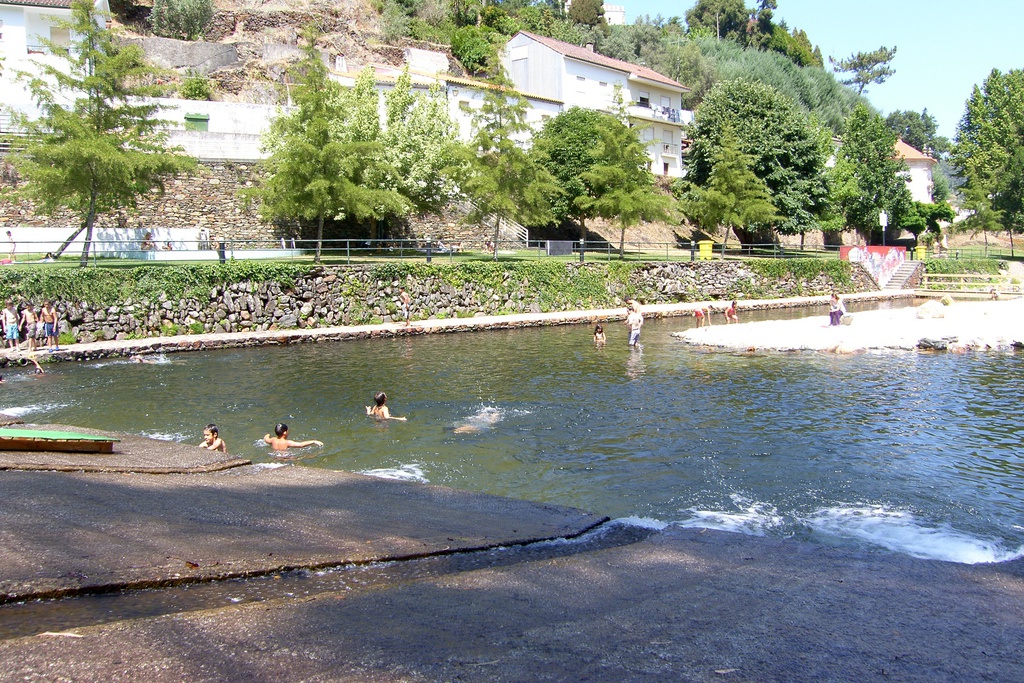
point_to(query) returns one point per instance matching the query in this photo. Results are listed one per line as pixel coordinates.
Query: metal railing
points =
(193, 248)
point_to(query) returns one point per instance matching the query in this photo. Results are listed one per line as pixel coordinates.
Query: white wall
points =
(919, 180)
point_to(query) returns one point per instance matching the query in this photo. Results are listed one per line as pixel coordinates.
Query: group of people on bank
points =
(33, 325)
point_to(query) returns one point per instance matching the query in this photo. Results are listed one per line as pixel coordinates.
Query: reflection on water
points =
(899, 451)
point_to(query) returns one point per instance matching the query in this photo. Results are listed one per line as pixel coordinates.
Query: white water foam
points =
(642, 522)
(21, 411)
(410, 472)
(751, 518)
(900, 531)
(268, 465)
(165, 436)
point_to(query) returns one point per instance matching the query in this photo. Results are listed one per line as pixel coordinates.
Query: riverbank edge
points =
(228, 340)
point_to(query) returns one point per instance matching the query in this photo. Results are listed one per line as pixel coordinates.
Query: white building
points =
(919, 172)
(24, 23)
(579, 77)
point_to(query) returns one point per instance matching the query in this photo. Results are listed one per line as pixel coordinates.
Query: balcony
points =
(645, 109)
(669, 148)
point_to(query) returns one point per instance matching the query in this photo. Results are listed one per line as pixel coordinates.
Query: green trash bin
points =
(197, 122)
(705, 247)
(920, 252)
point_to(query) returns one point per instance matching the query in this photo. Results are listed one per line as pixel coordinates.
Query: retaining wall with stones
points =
(353, 295)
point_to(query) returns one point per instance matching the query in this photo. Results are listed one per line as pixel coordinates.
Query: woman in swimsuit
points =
(379, 410)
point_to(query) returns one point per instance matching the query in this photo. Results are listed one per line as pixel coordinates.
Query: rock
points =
(931, 309)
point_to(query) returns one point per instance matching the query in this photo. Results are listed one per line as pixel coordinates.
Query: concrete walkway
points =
(203, 342)
(685, 605)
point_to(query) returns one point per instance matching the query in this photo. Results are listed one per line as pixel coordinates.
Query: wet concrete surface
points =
(63, 533)
(131, 454)
(682, 605)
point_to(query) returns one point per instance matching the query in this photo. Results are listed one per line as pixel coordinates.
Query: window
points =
(664, 170)
(580, 78)
(518, 53)
(603, 84)
(666, 101)
(648, 134)
(645, 99)
(464, 105)
(666, 135)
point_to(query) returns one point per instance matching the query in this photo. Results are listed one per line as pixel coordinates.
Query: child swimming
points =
(211, 439)
(281, 442)
(379, 410)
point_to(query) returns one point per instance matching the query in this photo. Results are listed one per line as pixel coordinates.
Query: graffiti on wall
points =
(881, 262)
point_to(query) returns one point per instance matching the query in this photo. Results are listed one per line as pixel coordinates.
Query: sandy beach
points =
(964, 326)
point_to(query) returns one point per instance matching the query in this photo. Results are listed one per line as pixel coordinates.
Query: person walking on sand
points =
(634, 321)
(211, 439)
(406, 303)
(379, 410)
(281, 442)
(836, 310)
(49, 318)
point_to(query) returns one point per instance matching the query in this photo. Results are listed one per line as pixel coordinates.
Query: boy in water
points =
(281, 442)
(379, 410)
(634, 321)
(212, 440)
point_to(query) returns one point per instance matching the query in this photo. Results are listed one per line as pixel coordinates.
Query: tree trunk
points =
(319, 237)
(622, 243)
(68, 241)
(90, 220)
(497, 233)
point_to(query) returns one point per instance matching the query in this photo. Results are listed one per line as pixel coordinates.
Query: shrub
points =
(182, 19)
(196, 87)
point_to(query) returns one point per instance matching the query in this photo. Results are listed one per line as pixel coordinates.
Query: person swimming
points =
(379, 410)
(485, 418)
(281, 442)
(211, 439)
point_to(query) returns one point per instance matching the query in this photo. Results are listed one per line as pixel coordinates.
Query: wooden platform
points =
(54, 441)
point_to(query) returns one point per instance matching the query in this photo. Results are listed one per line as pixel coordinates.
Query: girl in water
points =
(379, 410)
(599, 335)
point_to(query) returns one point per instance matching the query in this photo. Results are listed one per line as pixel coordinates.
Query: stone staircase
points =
(906, 274)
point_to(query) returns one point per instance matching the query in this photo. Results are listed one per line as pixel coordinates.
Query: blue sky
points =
(944, 47)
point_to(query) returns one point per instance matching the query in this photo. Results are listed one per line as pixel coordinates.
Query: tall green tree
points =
(721, 18)
(621, 182)
(499, 175)
(99, 153)
(919, 130)
(314, 171)
(587, 12)
(788, 151)
(569, 144)
(734, 197)
(420, 141)
(866, 68)
(989, 151)
(868, 178)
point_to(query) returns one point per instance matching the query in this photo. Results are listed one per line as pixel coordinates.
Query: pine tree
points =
(101, 152)
(503, 179)
(319, 167)
(734, 197)
(621, 183)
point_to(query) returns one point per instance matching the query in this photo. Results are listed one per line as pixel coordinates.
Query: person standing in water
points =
(281, 442)
(379, 410)
(634, 321)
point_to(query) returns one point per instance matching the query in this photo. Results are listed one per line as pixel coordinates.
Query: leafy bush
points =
(181, 19)
(196, 87)
(394, 22)
(473, 49)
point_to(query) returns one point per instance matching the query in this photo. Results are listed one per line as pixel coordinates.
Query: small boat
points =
(55, 441)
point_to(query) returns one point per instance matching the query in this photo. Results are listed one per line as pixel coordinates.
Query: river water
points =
(899, 452)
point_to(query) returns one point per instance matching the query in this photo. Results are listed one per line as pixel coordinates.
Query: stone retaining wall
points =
(350, 295)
